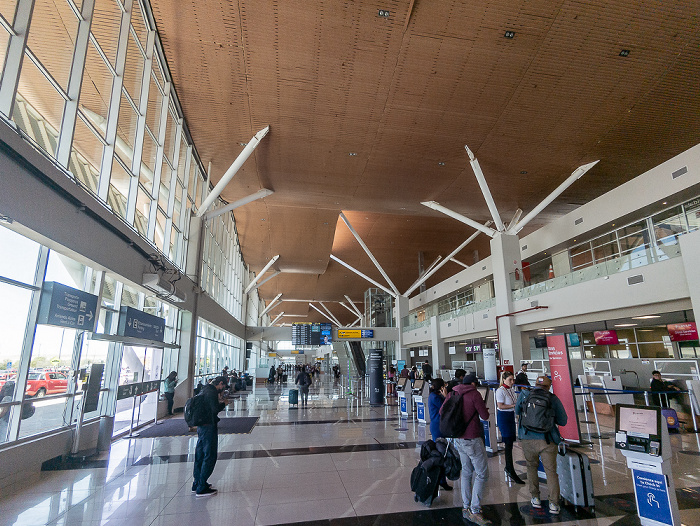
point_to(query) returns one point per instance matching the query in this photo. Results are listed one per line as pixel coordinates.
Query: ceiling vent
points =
(524, 247)
(578, 221)
(633, 280)
(486, 316)
(483, 268)
(679, 172)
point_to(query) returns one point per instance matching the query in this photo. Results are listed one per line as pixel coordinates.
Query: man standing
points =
(427, 371)
(303, 380)
(521, 377)
(540, 413)
(471, 449)
(207, 437)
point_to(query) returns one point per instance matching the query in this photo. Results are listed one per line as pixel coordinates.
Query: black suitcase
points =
(425, 483)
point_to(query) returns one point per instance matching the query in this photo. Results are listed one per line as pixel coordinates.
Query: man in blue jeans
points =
(207, 438)
(471, 449)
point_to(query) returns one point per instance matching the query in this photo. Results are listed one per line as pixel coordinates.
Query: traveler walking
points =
(427, 371)
(471, 449)
(505, 419)
(540, 413)
(521, 377)
(207, 437)
(303, 380)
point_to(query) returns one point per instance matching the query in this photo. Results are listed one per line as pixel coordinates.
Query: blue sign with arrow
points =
(65, 306)
(138, 324)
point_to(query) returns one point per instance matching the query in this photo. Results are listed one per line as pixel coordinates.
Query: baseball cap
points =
(543, 381)
(470, 378)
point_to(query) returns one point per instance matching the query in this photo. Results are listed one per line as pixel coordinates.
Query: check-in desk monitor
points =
(638, 429)
(484, 392)
(401, 383)
(418, 385)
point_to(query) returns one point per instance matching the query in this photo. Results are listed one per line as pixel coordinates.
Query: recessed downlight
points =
(625, 53)
(352, 154)
(523, 172)
(441, 163)
(509, 34)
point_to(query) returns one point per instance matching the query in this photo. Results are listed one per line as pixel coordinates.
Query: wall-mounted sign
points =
(355, 333)
(452, 349)
(562, 386)
(606, 338)
(65, 306)
(682, 332)
(297, 352)
(129, 390)
(272, 355)
(138, 324)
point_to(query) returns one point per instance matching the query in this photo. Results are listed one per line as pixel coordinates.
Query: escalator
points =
(357, 354)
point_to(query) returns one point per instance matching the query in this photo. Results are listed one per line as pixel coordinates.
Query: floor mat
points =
(177, 427)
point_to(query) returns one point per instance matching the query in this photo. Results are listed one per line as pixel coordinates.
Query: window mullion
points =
(181, 249)
(140, 130)
(159, 164)
(114, 104)
(15, 55)
(172, 187)
(70, 108)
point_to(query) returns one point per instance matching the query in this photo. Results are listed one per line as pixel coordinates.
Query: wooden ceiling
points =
(369, 115)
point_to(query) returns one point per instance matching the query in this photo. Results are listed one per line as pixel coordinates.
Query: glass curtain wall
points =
(48, 361)
(216, 349)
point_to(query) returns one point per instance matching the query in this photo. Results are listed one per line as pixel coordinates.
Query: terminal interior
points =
(188, 187)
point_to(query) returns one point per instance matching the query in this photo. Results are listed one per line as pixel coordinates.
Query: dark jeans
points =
(205, 455)
(169, 397)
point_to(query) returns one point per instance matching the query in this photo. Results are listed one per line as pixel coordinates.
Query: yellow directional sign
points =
(349, 333)
(272, 354)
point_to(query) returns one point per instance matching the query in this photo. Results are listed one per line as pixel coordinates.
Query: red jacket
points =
(471, 402)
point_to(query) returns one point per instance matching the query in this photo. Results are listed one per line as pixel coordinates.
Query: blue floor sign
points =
(652, 497)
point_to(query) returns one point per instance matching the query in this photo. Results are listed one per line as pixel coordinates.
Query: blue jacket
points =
(435, 401)
(560, 419)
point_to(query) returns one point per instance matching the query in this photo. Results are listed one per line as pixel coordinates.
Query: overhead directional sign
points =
(65, 306)
(138, 324)
(355, 333)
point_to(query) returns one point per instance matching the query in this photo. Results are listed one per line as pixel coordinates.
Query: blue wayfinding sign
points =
(65, 306)
(138, 324)
(652, 497)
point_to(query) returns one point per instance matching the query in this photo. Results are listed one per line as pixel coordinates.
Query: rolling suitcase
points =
(575, 479)
(294, 397)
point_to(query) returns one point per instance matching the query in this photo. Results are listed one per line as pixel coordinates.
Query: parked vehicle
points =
(5, 376)
(40, 384)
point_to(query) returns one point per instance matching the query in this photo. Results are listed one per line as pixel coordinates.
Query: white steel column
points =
(485, 190)
(353, 306)
(274, 275)
(349, 267)
(114, 103)
(70, 108)
(400, 311)
(330, 314)
(459, 217)
(459, 262)
(270, 305)
(137, 155)
(321, 312)
(232, 206)
(260, 274)
(15, 56)
(369, 253)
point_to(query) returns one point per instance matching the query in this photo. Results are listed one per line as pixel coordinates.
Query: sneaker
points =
(194, 487)
(478, 519)
(535, 502)
(209, 492)
(554, 508)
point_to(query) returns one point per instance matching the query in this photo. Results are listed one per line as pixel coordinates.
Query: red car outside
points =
(43, 383)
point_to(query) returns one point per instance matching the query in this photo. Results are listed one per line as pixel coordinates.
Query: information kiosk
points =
(405, 405)
(644, 441)
(421, 392)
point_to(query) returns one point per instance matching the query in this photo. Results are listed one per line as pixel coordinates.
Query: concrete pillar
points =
(439, 353)
(690, 253)
(505, 258)
(400, 311)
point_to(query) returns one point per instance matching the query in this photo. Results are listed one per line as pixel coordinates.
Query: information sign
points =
(138, 324)
(129, 390)
(92, 388)
(562, 386)
(376, 377)
(312, 333)
(652, 497)
(349, 333)
(65, 306)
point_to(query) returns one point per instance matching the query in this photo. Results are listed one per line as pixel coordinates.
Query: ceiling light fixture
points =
(243, 143)
(352, 154)
(625, 53)
(523, 172)
(648, 317)
(441, 163)
(509, 34)
(663, 203)
(625, 325)
(383, 13)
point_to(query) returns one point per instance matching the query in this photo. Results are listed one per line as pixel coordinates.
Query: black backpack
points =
(538, 413)
(194, 411)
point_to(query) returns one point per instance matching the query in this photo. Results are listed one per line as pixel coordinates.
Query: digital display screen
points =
(312, 334)
(401, 383)
(484, 392)
(636, 421)
(418, 385)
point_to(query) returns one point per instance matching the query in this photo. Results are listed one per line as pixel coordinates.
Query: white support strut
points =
(485, 189)
(350, 267)
(260, 274)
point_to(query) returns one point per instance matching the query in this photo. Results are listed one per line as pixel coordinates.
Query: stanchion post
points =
(595, 415)
(646, 397)
(131, 425)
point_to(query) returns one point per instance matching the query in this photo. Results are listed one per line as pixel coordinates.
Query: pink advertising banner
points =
(562, 385)
(606, 338)
(682, 332)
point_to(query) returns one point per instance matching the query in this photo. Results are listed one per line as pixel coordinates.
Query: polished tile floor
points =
(338, 462)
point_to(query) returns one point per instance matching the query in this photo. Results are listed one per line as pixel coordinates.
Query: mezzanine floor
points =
(335, 462)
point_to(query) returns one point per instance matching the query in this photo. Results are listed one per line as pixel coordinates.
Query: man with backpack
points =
(459, 418)
(540, 413)
(206, 420)
(303, 380)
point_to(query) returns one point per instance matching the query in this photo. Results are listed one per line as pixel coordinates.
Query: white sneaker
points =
(535, 502)
(554, 508)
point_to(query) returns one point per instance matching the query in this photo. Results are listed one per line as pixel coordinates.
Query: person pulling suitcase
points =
(540, 413)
